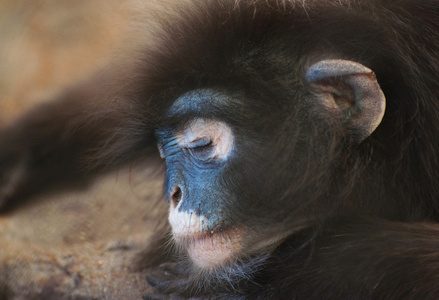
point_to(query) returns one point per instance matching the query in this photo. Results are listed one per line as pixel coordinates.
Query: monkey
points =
(300, 141)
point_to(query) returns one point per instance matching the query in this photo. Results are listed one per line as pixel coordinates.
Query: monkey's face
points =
(196, 157)
(208, 184)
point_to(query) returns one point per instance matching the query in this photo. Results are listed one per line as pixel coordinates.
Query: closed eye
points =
(200, 143)
(206, 139)
(202, 149)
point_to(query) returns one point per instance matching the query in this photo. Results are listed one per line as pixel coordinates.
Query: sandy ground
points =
(80, 244)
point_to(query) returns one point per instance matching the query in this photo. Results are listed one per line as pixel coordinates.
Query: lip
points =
(187, 238)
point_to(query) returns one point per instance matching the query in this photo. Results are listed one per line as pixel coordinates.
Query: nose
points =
(176, 195)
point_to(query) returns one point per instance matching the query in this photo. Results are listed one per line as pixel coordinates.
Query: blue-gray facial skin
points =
(193, 166)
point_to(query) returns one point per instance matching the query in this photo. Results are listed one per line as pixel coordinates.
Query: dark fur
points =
(371, 209)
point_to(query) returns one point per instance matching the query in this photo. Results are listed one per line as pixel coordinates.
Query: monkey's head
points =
(228, 199)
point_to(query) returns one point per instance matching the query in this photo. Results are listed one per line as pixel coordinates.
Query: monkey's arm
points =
(68, 141)
(361, 260)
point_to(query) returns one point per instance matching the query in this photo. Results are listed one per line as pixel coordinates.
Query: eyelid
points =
(203, 142)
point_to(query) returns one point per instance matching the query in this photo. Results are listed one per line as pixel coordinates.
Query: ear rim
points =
(368, 100)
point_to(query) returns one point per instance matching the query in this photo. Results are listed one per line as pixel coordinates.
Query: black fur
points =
(363, 217)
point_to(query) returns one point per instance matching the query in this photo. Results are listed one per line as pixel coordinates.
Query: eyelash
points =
(200, 143)
(201, 147)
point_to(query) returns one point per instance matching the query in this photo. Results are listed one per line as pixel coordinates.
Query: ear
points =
(352, 90)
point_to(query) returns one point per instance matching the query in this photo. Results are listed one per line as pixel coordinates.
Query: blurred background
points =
(46, 45)
(77, 244)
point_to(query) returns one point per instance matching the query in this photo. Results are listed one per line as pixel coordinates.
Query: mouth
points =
(207, 249)
(212, 249)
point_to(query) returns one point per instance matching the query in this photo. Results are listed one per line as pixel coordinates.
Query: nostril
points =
(176, 196)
